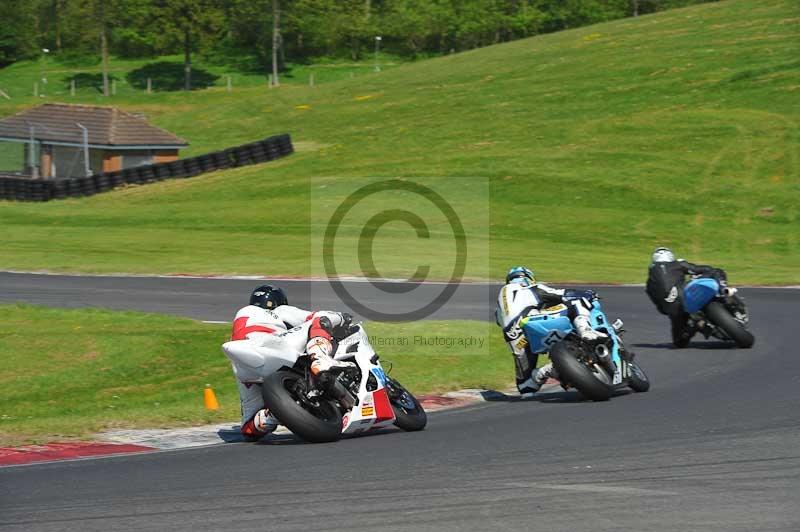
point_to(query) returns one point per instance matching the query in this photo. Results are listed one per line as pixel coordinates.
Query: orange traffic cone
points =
(210, 399)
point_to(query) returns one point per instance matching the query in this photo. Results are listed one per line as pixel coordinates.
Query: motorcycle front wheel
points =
(316, 422)
(637, 381)
(408, 412)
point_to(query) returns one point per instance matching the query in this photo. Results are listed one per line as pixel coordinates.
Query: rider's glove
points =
(343, 329)
(728, 291)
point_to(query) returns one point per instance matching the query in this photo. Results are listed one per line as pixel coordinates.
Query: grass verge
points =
(69, 373)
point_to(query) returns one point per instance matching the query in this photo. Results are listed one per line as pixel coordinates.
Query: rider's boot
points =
(265, 422)
(322, 363)
(319, 349)
(262, 424)
(683, 328)
(585, 330)
(538, 377)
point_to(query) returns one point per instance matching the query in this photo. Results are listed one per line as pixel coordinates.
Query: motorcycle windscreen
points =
(698, 293)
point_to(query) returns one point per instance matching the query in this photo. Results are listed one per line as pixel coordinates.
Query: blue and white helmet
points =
(520, 274)
(663, 255)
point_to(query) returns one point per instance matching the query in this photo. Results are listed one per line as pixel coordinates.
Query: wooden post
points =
(311, 80)
(229, 84)
(114, 87)
(35, 89)
(270, 81)
(72, 87)
(149, 85)
(352, 75)
(46, 160)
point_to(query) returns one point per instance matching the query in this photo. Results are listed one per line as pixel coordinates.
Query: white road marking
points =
(590, 488)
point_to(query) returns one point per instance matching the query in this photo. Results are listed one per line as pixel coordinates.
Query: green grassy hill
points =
(679, 128)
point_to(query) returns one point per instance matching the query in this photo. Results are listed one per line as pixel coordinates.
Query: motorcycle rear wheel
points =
(719, 315)
(408, 412)
(318, 425)
(566, 357)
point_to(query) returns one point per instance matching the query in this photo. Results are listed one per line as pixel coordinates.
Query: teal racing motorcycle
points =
(597, 369)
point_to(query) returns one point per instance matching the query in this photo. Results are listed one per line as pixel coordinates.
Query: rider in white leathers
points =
(522, 296)
(268, 318)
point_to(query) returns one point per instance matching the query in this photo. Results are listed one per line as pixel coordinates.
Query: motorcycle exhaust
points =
(603, 353)
(344, 397)
(601, 350)
(336, 389)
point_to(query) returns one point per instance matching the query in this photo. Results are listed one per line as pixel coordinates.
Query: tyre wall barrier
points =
(19, 188)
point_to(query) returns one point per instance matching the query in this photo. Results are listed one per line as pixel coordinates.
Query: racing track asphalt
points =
(218, 299)
(715, 445)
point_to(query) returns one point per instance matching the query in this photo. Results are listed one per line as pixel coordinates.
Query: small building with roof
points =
(54, 140)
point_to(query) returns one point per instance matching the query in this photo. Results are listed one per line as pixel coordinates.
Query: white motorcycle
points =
(361, 397)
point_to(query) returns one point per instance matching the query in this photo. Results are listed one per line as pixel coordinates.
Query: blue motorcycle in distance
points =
(596, 369)
(715, 311)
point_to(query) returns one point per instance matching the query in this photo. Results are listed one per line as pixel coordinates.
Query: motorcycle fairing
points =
(544, 330)
(264, 359)
(599, 322)
(373, 409)
(698, 293)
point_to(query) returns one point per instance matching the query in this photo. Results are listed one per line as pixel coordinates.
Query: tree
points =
(18, 35)
(276, 39)
(58, 10)
(252, 29)
(419, 24)
(189, 25)
(101, 12)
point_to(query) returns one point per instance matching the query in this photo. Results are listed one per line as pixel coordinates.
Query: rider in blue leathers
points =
(522, 296)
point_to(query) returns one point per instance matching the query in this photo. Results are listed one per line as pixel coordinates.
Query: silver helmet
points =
(663, 255)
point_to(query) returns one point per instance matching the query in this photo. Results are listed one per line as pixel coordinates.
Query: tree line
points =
(265, 34)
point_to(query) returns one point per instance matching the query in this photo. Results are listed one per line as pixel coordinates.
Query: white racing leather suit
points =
(519, 299)
(300, 331)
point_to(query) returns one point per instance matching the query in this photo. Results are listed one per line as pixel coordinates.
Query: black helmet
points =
(268, 297)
